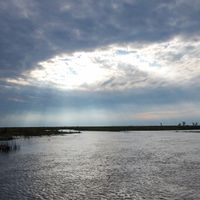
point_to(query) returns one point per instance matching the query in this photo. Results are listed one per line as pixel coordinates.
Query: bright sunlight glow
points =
(116, 67)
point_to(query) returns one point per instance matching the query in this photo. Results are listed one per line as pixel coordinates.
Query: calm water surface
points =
(103, 165)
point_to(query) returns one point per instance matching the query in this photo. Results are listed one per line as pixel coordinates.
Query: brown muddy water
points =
(103, 165)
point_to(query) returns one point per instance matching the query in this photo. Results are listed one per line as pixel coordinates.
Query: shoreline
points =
(9, 132)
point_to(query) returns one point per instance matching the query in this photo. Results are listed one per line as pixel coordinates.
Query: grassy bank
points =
(9, 133)
(40, 131)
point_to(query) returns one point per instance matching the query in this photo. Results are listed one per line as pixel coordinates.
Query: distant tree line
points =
(184, 123)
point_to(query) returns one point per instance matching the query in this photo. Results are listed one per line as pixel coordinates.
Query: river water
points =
(103, 165)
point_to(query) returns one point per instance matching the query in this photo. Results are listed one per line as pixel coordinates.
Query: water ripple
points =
(138, 165)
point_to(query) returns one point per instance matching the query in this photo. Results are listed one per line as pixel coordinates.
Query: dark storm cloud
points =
(32, 31)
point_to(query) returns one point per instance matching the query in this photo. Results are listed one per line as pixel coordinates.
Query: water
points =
(103, 165)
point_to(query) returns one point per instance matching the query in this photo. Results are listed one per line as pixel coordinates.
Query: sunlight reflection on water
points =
(100, 165)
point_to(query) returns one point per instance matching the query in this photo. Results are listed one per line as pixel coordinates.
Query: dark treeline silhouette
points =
(184, 124)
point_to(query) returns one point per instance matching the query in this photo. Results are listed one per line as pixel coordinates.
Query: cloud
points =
(169, 113)
(120, 67)
(102, 110)
(33, 31)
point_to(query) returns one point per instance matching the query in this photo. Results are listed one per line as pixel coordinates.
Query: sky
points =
(107, 62)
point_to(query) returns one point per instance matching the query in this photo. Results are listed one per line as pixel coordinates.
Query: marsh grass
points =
(7, 146)
(10, 133)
